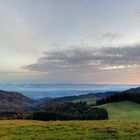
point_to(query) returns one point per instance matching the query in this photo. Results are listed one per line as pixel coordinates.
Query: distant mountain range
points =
(17, 101)
(132, 94)
(50, 102)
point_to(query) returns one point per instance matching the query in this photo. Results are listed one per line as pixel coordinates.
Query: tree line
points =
(120, 96)
(70, 111)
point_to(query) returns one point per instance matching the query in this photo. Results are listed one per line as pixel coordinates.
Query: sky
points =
(70, 41)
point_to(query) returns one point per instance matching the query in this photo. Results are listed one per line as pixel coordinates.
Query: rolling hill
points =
(122, 110)
(15, 101)
(90, 97)
(124, 122)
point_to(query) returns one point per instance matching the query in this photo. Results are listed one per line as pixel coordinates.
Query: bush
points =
(71, 111)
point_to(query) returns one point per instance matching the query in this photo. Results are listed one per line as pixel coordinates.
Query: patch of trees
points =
(120, 96)
(70, 111)
(6, 115)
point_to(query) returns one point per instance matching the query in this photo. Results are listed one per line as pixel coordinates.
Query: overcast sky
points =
(70, 41)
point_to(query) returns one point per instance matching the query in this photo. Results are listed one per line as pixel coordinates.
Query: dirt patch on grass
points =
(111, 130)
(131, 129)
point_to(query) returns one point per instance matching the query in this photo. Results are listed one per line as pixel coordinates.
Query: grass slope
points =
(122, 110)
(120, 127)
(70, 130)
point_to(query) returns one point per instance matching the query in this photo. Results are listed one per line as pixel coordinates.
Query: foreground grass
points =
(70, 130)
(123, 110)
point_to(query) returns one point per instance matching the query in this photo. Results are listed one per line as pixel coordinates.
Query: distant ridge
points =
(15, 101)
(60, 100)
(101, 98)
(133, 90)
(132, 94)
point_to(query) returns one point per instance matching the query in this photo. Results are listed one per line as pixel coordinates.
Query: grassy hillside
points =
(122, 110)
(70, 130)
(119, 127)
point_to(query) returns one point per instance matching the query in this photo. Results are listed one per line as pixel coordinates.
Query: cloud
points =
(16, 30)
(88, 59)
(111, 37)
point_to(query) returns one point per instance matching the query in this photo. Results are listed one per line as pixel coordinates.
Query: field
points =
(70, 130)
(124, 124)
(123, 110)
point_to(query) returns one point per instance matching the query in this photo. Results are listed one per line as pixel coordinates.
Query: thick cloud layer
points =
(85, 59)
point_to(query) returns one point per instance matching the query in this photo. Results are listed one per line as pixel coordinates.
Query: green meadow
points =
(123, 124)
(123, 110)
